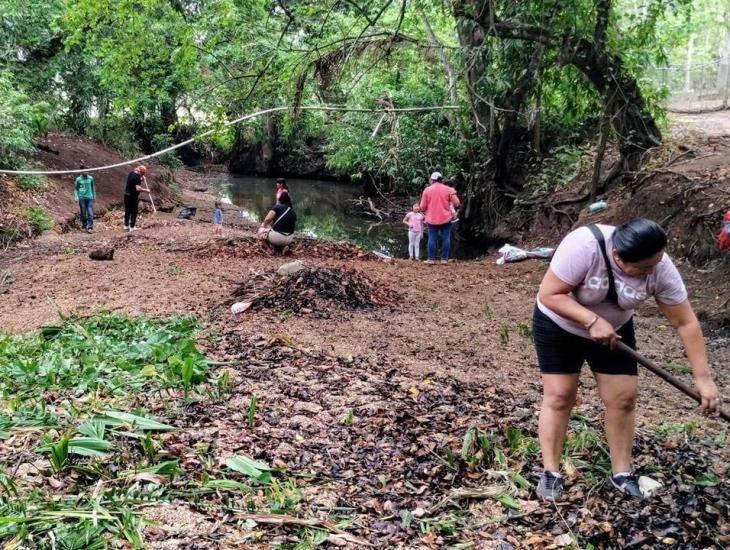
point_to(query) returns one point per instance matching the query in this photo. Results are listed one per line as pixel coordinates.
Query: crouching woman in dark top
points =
(278, 226)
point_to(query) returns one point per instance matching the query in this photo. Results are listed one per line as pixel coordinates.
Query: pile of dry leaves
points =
(314, 290)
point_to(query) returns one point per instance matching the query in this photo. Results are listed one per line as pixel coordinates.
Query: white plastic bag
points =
(511, 254)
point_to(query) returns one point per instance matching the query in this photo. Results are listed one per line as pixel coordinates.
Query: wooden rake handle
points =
(664, 375)
(149, 194)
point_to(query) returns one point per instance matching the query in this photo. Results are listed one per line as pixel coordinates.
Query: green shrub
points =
(115, 131)
(31, 182)
(38, 220)
(10, 235)
(163, 141)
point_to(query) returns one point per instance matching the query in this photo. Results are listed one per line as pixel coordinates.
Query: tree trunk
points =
(514, 106)
(471, 37)
(267, 146)
(603, 140)
(688, 66)
(636, 129)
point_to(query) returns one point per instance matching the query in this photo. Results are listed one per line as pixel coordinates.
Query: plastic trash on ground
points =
(240, 307)
(510, 254)
(382, 256)
(290, 268)
(187, 213)
(648, 485)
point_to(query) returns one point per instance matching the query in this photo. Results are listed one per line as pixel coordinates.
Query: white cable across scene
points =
(228, 123)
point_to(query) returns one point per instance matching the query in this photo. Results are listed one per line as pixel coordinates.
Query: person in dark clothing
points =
(136, 183)
(279, 224)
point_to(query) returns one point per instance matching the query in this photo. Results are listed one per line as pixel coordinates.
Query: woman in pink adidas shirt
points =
(598, 276)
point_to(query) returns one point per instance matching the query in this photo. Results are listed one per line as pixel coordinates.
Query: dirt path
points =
(714, 123)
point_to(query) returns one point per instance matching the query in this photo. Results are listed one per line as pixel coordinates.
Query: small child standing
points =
(414, 221)
(218, 219)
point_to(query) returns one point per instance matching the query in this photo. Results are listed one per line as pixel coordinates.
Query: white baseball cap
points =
(436, 176)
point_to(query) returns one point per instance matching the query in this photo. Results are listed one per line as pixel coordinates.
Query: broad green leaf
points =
(226, 484)
(259, 471)
(117, 418)
(84, 446)
(508, 501)
(707, 480)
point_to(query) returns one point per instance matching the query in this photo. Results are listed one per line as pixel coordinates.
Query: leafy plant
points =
(678, 368)
(349, 418)
(708, 479)
(133, 422)
(32, 182)
(283, 496)
(225, 382)
(187, 369)
(489, 312)
(257, 471)
(59, 452)
(21, 119)
(38, 220)
(252, 407)
(149, 447)
(525, 331)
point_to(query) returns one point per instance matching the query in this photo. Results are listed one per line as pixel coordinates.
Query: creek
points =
(323, 209)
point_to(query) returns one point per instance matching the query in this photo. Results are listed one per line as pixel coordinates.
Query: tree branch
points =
(603, 11)
(533, 33)
(362, 11)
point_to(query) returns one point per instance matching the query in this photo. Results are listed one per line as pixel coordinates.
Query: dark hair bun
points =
(638, 240)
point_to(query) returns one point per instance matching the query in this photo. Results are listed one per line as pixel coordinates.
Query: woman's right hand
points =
(603, 332)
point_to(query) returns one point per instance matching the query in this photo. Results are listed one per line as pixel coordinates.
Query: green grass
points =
(10, 235)
(678, 368)
(74, 403)
(68, 394)
(31, 182)
(38, 220)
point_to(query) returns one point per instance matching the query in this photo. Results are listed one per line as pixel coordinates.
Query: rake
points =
(664, 375)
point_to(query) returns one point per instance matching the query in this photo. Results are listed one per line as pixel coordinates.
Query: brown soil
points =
(453, 351)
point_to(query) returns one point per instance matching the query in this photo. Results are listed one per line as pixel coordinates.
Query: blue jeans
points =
(443, 233)
(87, 213)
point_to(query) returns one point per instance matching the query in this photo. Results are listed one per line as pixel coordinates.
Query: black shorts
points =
(560, 352)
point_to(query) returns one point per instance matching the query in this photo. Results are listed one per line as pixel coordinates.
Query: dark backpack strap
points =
(598, 234)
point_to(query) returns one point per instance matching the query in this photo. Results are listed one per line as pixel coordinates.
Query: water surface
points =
(322, 209)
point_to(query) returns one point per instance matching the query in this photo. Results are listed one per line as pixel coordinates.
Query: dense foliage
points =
(146, 73)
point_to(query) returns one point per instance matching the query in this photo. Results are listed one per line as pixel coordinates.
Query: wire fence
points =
(696, 87)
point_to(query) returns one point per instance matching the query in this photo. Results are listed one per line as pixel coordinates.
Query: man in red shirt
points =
(436, 203)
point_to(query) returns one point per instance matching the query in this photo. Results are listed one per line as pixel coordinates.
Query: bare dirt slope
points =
(67, 152)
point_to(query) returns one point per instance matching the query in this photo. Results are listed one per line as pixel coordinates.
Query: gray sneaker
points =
(628, 484)
(550, 487)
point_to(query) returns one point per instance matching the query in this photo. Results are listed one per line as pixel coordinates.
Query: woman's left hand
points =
(710, 395)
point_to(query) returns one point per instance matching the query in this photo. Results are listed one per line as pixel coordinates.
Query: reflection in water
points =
(321, 208)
